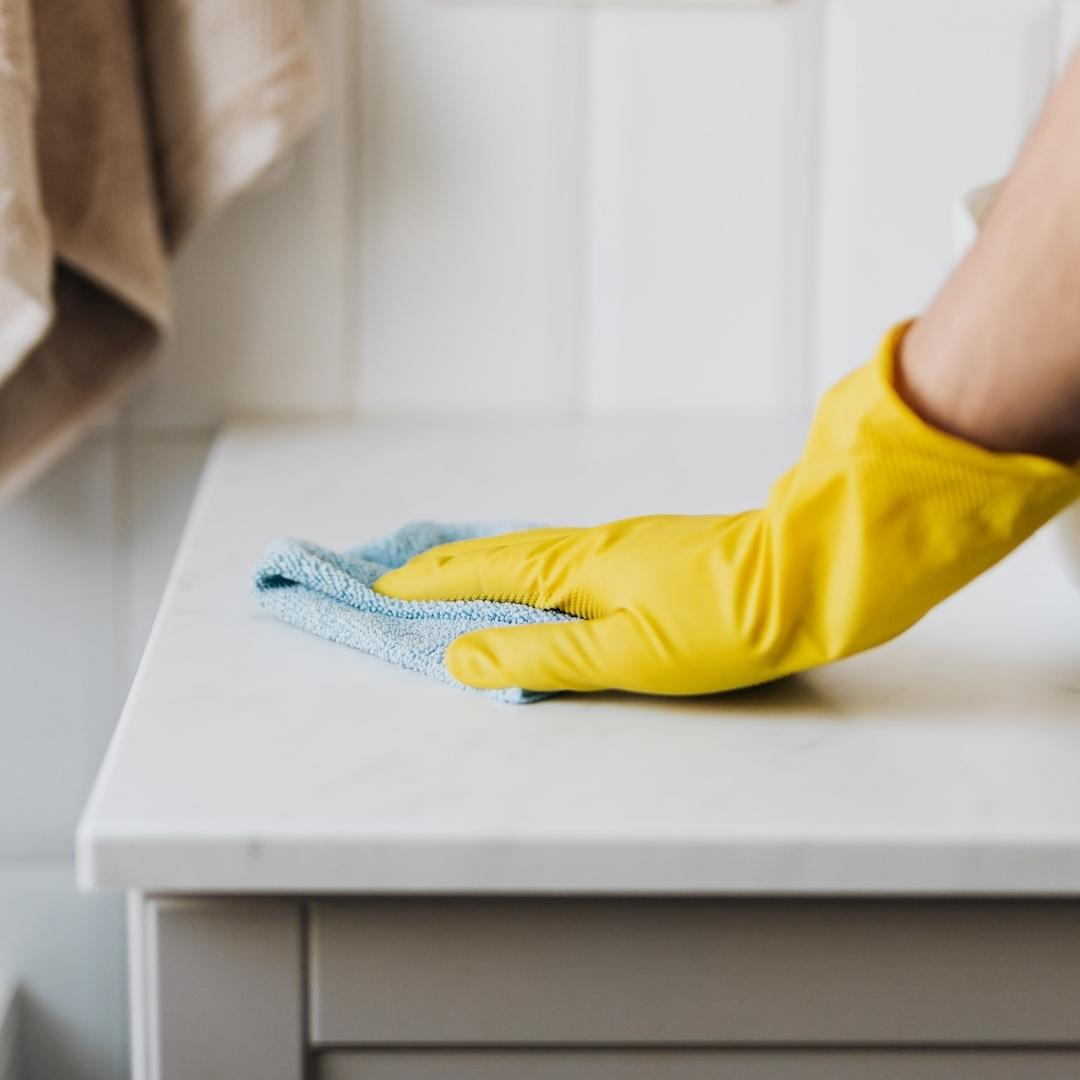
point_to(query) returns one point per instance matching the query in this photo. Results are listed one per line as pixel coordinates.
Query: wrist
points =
(976, 390)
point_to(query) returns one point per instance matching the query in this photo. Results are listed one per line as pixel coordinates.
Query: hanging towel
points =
(330, 594)
(124, 124)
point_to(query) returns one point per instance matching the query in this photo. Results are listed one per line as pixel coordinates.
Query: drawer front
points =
(534, 971)
(701, 1065)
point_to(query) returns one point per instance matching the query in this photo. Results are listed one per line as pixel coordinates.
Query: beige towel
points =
(124, 124)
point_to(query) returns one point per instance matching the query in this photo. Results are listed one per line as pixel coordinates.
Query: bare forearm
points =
(996, 358)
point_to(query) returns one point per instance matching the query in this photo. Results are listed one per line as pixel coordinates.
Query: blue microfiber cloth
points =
(330, 594)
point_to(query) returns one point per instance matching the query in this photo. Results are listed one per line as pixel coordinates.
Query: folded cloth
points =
(330, 595)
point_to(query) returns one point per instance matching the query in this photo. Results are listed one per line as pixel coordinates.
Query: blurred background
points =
(644, 207)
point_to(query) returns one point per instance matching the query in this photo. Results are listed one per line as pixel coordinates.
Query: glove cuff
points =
(1012, 493)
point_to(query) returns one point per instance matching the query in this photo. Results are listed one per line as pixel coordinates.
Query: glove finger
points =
(478, 570)
(457, 548)
(585, 655)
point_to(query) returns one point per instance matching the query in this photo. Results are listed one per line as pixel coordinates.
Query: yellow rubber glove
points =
(882, 518)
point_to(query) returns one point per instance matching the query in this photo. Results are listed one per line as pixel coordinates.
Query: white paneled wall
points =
(513, 205)
(922, 99)
(260, 294)
(466, 191)
(68, 952)
(659, 207)
(60, 570)
(695, 158)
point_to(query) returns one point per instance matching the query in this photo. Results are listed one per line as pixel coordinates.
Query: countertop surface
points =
(253, 757)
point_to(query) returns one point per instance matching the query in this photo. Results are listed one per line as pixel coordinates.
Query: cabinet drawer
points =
(701, 1065)
(534, 971)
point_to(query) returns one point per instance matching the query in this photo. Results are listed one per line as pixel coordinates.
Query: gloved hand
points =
(882, 518)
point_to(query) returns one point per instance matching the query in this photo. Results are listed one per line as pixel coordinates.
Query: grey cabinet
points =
(400, 988)
(217, 989)
(571, 971)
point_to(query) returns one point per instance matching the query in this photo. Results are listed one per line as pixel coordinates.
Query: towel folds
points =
(124, 124)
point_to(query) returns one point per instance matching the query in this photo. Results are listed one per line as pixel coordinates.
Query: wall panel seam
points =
(803, 359)
(573, 104)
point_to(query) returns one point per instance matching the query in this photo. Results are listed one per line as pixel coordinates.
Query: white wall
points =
(512, 206)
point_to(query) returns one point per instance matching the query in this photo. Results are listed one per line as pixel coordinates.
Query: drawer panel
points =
(701, 1065)
(580, 971)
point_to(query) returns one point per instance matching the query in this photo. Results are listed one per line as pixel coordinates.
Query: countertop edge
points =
(698, 867)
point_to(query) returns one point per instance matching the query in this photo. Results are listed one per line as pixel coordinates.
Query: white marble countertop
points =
(253, 757)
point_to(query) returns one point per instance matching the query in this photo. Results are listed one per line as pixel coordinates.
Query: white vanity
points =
(338, 869)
